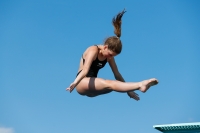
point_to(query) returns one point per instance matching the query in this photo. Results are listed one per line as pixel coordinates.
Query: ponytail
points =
(114, 43)
(116, 21)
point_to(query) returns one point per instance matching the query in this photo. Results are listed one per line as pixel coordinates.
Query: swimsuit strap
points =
(97, 46)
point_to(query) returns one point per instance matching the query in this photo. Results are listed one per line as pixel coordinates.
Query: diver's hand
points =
(71, 87)
(133, 95)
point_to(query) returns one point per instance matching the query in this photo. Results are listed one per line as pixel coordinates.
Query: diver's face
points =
(107, 52)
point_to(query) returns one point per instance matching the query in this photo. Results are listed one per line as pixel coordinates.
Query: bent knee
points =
(81, 89)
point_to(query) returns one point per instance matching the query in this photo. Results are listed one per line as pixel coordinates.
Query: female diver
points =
(95, 57)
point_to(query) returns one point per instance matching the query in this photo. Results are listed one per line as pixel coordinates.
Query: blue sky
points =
(41, 43)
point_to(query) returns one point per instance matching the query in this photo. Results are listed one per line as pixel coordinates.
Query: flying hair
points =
(114, 43)
(116, 21)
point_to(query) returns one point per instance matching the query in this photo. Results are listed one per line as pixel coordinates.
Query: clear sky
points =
(41, 42)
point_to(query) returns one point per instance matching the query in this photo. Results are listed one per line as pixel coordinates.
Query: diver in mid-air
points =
(95, 57)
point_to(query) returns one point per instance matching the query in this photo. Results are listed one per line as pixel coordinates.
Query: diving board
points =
(193, 127)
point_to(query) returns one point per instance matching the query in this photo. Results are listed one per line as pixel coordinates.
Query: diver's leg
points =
(98, 84)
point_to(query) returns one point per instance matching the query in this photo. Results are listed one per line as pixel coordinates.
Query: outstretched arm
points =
(119, 77)
(90, 55)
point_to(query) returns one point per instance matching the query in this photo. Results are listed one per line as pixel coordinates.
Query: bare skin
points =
(94, 86)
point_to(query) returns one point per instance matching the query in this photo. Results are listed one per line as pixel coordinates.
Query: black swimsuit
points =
(95, 66)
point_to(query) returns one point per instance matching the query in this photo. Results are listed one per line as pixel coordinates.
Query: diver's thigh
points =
(98, 84)
(92, 84)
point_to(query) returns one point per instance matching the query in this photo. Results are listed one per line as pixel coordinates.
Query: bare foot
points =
(146, 84)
